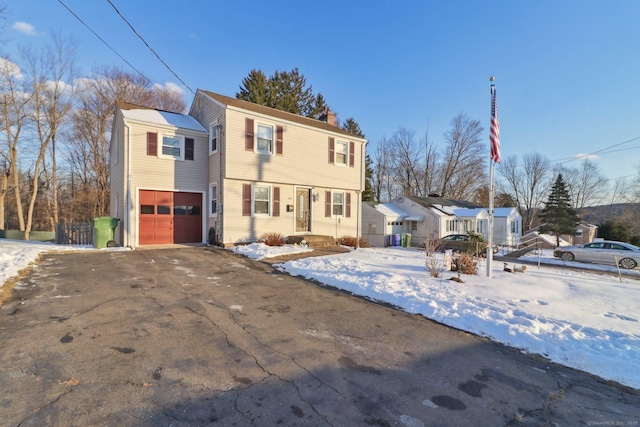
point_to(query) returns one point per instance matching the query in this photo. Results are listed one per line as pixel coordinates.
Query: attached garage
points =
(169, 217)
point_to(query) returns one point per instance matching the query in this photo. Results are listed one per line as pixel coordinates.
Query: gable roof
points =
(158, 117)
(470, 212)
(390, 210)
(500, 212)
(430, 202)
(282, 115)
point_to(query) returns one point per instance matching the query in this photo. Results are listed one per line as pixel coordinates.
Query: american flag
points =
(494, 134)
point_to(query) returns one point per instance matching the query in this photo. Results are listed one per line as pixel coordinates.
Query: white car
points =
(609, 252)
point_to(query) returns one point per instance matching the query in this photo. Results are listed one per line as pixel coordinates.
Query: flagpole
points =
(494, 144)
(490, 244)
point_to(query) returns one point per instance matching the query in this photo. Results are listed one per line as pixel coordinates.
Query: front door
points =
(303, 209)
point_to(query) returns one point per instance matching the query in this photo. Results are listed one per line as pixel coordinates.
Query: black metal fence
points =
(74, 233)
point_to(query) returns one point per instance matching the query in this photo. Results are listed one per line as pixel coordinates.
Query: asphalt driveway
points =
(198, 336)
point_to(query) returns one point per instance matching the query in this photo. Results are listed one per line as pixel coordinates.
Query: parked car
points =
(465, 243)
(609, 252)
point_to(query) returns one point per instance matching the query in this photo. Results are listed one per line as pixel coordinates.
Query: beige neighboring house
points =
(585, 233)
(255, 170)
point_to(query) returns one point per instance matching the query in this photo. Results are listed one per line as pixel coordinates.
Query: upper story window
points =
(264, 139)
(214, 132)
(342, 153)
(172, 146)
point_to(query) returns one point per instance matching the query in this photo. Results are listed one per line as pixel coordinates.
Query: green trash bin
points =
(103, 230)
(403, 240)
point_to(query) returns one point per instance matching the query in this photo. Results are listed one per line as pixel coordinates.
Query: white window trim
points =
(161, 145)
(346, 153)
(344, 204)
(273, 138)
(214, 127)
(211, 186)
(269, 202)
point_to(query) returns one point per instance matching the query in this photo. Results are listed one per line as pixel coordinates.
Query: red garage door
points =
(168, 217)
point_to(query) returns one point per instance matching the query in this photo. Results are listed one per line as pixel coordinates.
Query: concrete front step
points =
(313, 241)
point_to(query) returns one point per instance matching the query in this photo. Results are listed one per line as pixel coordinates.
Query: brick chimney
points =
(329, 117)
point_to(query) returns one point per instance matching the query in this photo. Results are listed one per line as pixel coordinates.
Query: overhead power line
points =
(103, 41)
(149, 47)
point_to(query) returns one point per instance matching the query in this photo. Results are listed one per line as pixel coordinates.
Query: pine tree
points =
(558, 216)
(284, 90)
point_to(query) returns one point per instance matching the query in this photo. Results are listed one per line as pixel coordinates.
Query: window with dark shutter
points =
(152, 144)
(188, 149)
(276, 201)
(327, 204)
(279, 141)
(248, 136)
(348, 203)
(246, 199)
(352, 154)
(332, 150)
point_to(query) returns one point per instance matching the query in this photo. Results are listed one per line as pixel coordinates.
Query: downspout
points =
(127, 136)
(359, 192)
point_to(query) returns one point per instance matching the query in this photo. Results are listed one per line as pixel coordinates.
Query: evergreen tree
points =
(351, 126)
(558, 216)
(284, 90)
(254, 88)
(367, 194)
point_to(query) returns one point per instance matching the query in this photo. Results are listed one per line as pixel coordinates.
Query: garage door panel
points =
(168, 217)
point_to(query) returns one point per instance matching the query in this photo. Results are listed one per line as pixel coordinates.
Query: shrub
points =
(434, 267)
(352, 241)
(465, 263)
(272, 239)
(430, 246)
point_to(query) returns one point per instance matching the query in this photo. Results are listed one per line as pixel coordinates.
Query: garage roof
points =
(159, 117)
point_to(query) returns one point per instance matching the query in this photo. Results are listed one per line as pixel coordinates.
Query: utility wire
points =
(149, 47)
(103, 41)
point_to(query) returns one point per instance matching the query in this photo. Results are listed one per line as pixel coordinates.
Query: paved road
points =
(199, 336)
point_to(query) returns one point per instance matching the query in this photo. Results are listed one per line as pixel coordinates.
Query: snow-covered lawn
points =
(582, 319)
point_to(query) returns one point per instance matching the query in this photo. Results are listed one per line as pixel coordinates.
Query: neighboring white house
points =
(430, 218)
(231, 171)
(381, 221)
(507, 227)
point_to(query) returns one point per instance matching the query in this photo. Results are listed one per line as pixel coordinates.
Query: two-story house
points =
(252, 169)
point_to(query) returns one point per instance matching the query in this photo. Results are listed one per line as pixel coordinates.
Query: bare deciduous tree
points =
(527, 183)
(586, 185)
(47, 70)
(16, 99)
(406, 162)
(462, 169)
(88, 151)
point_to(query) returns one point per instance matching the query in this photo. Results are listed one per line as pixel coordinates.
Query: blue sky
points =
(567, 72)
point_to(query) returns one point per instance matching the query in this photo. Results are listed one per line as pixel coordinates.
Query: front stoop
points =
(313, 241)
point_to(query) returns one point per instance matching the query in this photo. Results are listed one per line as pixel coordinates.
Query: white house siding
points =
(429, 228)
(502, 234)
(156, 173)
(374, 225)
